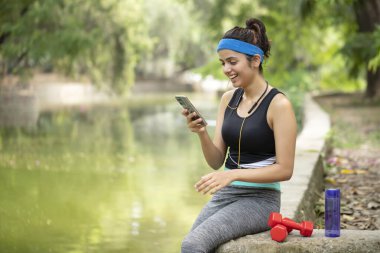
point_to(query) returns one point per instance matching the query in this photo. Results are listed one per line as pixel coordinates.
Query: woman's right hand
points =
(194, 122)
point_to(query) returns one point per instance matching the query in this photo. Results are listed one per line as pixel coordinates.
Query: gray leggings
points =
(231, 213)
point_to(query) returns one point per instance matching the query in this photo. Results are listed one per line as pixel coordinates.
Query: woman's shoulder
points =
(280, 102)
(227, 96)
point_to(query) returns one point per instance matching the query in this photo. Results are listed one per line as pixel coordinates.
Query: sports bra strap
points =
(236, 98)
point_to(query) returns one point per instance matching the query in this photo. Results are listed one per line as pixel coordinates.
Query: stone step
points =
(350, 241)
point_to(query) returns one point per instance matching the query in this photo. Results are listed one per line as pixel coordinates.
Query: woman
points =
(256, 129)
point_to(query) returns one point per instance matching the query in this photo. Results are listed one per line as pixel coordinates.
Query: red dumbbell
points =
(279, 233)
(289, 229)
(305, 227)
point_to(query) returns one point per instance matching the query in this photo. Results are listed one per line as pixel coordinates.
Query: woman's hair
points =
(254, 33)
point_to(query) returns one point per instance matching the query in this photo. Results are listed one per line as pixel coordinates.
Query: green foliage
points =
(313, 47)
(111, 40)
(295, 56)
(101, 39)
(176, 29)
(357, 21)
(374, 63)
(360, 49)
(213, 68)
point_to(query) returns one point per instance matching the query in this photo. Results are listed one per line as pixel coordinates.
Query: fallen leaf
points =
(373, 205)
(342, 180)
(346, 210)
(332, 160)
(330, 180)
(346, 217)
(346, 171)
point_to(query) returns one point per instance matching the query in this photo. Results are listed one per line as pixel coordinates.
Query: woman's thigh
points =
(242, 217)
(212, 207)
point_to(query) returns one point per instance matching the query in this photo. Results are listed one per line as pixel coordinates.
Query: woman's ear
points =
(255, 61)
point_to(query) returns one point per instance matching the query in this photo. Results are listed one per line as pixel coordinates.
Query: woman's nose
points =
(226, 68)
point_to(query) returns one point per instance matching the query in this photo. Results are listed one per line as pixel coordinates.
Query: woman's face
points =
(237, 68)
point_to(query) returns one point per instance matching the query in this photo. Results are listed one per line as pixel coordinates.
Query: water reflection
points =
(94, 180)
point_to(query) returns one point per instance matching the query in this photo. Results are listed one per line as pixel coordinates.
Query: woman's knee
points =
(191, 245)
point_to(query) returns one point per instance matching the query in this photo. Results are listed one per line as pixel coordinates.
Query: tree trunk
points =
(373, 84)
(367, 14)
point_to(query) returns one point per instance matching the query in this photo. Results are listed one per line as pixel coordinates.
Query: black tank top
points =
(257, 138)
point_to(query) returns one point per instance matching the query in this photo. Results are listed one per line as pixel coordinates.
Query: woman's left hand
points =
(213, 182)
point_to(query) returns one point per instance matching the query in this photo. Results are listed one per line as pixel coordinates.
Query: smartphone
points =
(186, 104)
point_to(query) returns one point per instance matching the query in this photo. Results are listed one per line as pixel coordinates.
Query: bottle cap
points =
(332, 193)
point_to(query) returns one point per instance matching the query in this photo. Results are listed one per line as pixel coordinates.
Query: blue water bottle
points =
(332, 213)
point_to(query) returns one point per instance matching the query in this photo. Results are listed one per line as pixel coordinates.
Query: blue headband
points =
(241, 47)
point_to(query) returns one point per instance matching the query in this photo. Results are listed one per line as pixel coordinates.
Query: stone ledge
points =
(350, 241)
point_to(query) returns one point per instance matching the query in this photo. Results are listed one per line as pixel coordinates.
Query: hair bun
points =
(256, 25)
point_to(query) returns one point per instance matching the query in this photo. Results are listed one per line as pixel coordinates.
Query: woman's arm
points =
(213, 151)
(282, 120)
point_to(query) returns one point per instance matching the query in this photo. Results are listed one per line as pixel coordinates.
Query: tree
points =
(101, 39)
(362, 44)
(309, 39)
(176, 29)
(367, 13)
(295, 44)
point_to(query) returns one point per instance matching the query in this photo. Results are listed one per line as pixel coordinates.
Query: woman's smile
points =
(233, 77)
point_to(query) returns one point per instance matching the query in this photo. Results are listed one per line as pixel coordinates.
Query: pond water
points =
(105, 179)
